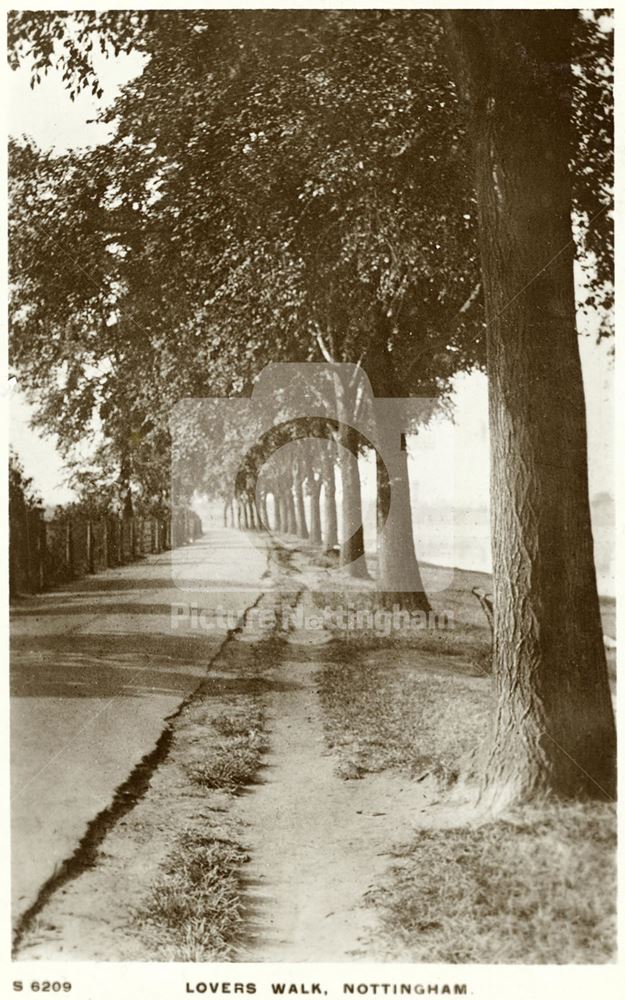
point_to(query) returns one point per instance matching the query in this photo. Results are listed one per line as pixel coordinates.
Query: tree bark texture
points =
(554, 728)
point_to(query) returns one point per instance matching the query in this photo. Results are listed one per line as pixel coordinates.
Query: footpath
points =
(97, 669)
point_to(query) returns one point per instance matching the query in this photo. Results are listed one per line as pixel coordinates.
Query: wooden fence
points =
(43, 554)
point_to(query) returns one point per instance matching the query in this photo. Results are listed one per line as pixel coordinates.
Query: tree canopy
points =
(280, 186)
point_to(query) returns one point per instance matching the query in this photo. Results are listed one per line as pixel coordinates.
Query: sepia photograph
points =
(311, 500)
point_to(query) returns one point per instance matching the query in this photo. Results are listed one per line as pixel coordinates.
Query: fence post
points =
(68, 545)
(44, 553)
(90, 552)
(18, 548)
(41, 550)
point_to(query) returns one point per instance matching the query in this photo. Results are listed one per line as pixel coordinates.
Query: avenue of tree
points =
(404, 191)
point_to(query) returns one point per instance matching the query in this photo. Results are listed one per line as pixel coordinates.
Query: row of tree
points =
(390, 189)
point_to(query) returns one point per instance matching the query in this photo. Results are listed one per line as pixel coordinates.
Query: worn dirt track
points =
(317, 838)
(317, 842)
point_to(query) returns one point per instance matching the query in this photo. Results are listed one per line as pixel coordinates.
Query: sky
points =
(449, 463)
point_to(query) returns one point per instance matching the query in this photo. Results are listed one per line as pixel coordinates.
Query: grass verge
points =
(193, 909)
(535, 888)
(383, 711)
(234, 762)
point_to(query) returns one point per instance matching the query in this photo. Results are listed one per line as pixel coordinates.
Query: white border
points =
(102, 981)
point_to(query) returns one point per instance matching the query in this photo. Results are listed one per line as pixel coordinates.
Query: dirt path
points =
(310, 837)
(317, 841)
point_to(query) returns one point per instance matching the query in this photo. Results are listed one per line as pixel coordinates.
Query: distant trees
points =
(21, 489)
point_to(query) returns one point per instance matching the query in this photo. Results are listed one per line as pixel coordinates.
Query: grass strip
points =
(193, 910)
(235, 761)
(535, 888)
(383, 712)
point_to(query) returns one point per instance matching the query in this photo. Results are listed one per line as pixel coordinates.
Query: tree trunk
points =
(314, 489)
(251, 513)
(125, 491)
(263, 513)
(352, 555)
(311, 458)
(330, 535)
(284, 512)
(128, 508)
(277, 512)
(554, 730)
(301, 528)
(245, 514)
(352, 546)
(291, 521)
(398, 578)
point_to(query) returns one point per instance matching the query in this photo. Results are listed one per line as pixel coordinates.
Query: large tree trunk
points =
(554, 729)
(398, 578)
